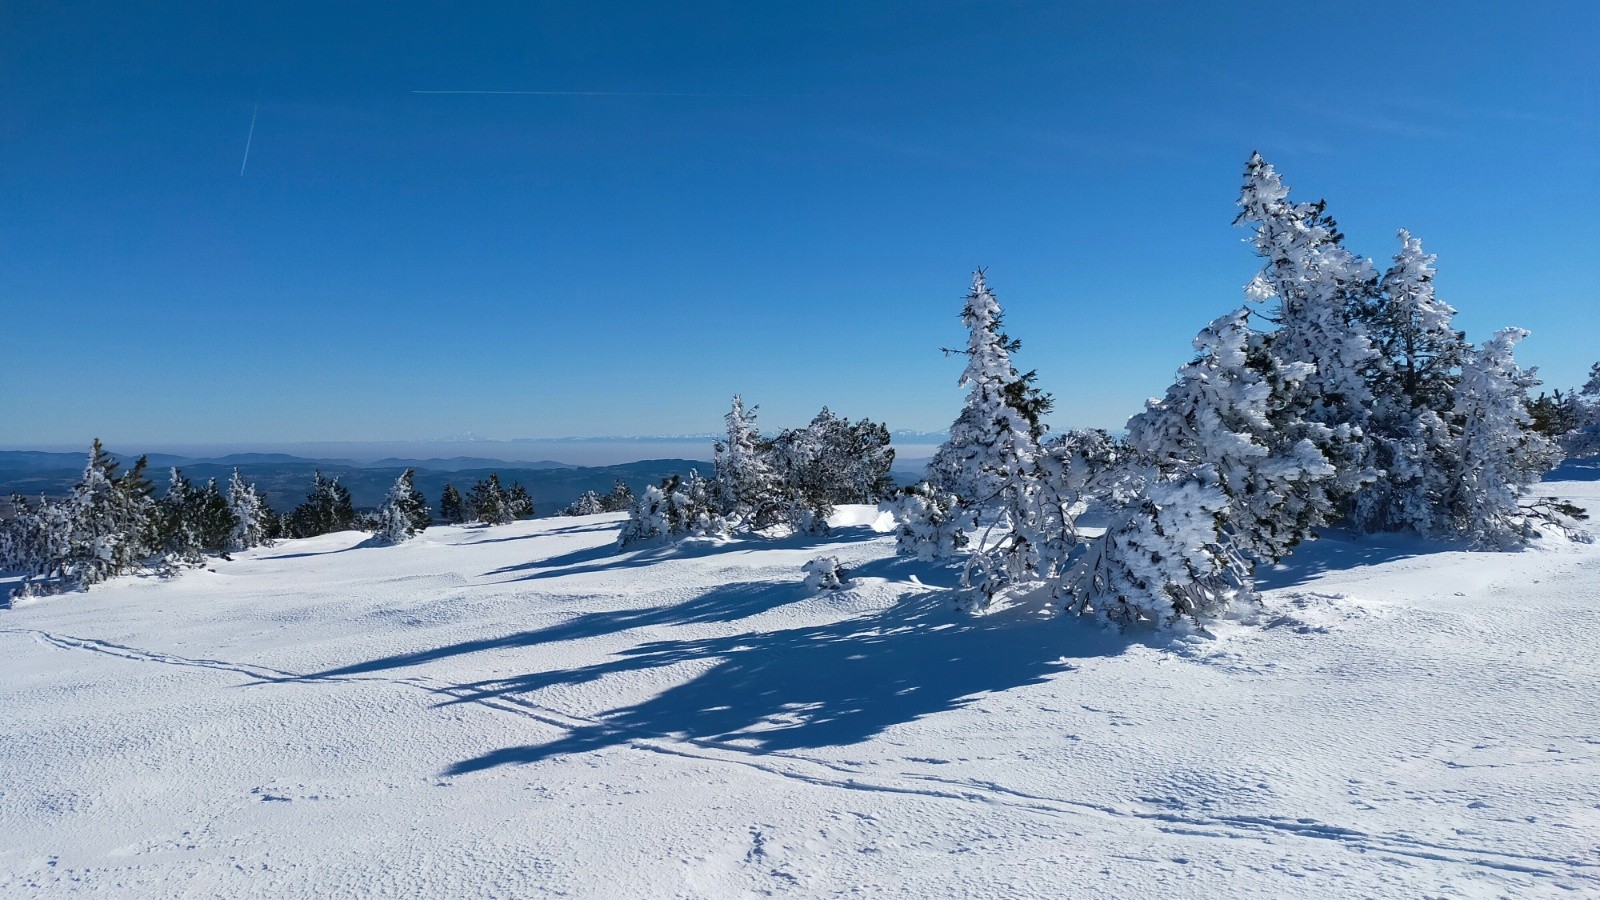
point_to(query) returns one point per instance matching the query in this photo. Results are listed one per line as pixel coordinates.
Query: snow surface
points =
(522, 710)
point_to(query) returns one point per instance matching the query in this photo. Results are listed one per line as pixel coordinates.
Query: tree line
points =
(113, 522)
(1335, 395)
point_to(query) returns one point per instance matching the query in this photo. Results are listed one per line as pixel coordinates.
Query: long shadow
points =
(569, 529)
(1343, 551)
(725, 603)
(1583, 469)
(817, 686)
(365, 543)
(609, 558)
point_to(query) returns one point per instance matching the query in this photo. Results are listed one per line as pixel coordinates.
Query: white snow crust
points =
(525, 711)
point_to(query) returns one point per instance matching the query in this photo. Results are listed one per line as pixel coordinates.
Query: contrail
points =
(584, 93)
(249, 137)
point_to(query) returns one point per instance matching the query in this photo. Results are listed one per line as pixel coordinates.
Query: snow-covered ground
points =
(523, 711)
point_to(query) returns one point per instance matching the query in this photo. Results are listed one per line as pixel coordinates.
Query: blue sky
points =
(780, 199)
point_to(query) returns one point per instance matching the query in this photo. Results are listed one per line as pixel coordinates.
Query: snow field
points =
(523, 710)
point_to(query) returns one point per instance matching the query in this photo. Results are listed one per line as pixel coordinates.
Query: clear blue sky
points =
(791, 210)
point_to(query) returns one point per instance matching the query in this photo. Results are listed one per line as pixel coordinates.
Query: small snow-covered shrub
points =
(929, 523)
(825, 574)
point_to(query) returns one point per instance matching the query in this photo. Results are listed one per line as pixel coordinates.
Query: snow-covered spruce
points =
(825, 574)
(830, 461)
(989, 464)
(1164, 561)
(251, 518)
(327, 508)
(678, 508)
(1500, 456)
(490, 503)
(404, 513)
(1214, 487)
(1414, 441)
(1581, 436)
(748, 487)
(586, 505)
(1320, 289)
(929, 525)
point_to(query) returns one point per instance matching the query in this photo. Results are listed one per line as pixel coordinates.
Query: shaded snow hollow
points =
(523, 710)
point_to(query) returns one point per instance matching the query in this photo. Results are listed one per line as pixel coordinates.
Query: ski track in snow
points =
(772, 858)
(1222, 827)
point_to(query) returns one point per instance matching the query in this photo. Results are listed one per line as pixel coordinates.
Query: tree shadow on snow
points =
(726, 603)
(815, 686)
(1339, 551)
(607, 558)
(1583, 469)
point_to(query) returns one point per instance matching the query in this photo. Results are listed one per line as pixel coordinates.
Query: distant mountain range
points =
(285, 478)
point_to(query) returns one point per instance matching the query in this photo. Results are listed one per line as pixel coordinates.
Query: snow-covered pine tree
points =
(38, 544)
(929, 523)
(250, 515)
(518, 501)
(489, 503)
(748, 487)
(34, 540)
(109, 522)
(1321, 289)
(215, 522)
(451, 508)
(327, 508)
(1413, 388)
(1161, 562)
(404, 512)
(990, 460)
(177, 514)
(1500, 455)
(1583, 439)
(620, 499)
(647, 519)
(590, 503)
(1215, 434)
(995, 437)
(833, 461)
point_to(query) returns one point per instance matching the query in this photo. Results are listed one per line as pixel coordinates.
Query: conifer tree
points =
(489, 503)
(1413, 387)
(589, 504)
(1219, 424)
(404, 512)
(451, 508)
(251, 516)
(327, 509)
(1217, 487)
(1500, 454)
(179, 519)
(518, 501)
(748, 485)
(990, 462)
(215, 521)
(1320, 290)
(620, 499)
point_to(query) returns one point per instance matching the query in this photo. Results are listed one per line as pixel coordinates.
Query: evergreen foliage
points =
(1321, 290)
(589, 504)
(1500, 453)
(518, 501)
(451, 507)
(1411, 429)
(327, 508)
(748, 488)
(620, 499)
(490, 503)
(251, 515)
(404, 513)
